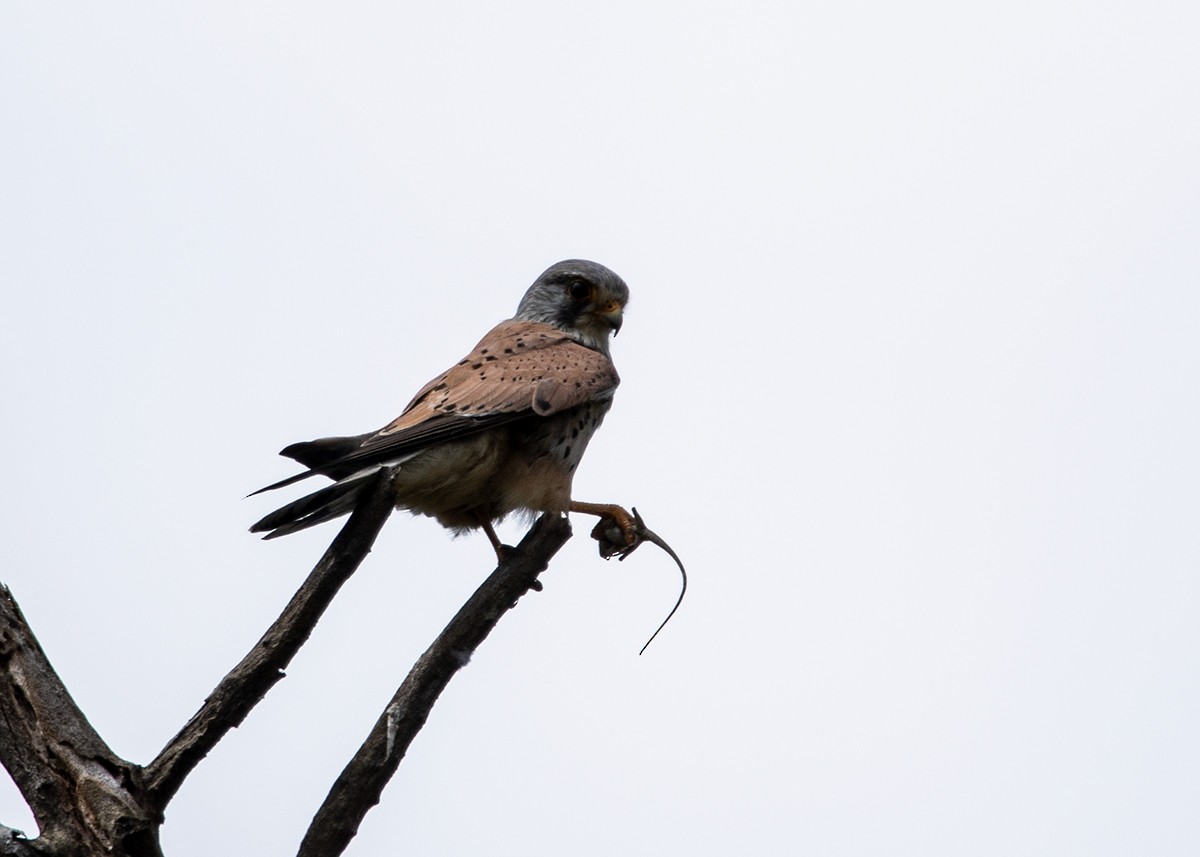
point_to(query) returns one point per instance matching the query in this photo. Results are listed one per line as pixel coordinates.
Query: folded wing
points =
(520, 369)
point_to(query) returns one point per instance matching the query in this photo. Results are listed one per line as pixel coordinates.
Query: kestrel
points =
(503, 430)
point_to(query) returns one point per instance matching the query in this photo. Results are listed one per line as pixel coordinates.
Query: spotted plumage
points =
(502, 430)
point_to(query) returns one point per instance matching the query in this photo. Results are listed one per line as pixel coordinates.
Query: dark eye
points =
(579, 290)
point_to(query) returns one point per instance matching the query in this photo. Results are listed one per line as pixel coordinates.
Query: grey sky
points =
(909, 380)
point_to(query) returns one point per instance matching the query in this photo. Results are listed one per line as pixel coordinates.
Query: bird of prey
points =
(503, 430)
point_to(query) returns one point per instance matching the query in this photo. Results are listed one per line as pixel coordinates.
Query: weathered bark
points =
(361, 782)
(86, 800)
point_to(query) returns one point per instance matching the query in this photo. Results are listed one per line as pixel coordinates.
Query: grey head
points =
(582, 298)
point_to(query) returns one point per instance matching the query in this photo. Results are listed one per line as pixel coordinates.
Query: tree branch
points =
(85, 799)
(248, 682)
(361, 782)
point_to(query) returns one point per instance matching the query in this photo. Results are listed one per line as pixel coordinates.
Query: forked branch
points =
(86, 799)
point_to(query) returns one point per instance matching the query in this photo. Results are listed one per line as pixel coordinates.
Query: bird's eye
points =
(579, 290)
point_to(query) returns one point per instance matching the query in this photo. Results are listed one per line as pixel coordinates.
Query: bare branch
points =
(85, 799)
(362, 781)
(248, 682)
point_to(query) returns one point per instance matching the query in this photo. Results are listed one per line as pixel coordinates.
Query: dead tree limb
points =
(361, 783)
(86, 799)
(248, 682)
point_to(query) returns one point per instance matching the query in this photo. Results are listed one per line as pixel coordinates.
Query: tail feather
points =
(330, 502)
(317, 454)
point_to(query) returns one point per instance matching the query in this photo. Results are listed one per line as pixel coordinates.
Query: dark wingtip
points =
(291, 450)
(325, 451)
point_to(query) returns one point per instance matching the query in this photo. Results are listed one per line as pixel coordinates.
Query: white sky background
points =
(910, 379)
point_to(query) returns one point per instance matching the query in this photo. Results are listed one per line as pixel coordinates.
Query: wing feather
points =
(519, 369)
(505, 371)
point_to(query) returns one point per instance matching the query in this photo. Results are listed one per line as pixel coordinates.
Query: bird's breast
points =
(546, 453)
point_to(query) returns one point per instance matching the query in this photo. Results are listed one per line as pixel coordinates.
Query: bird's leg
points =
(610, 514)
(497, 545)
(505, 552)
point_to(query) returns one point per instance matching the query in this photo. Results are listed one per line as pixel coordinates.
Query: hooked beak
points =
(613, 313)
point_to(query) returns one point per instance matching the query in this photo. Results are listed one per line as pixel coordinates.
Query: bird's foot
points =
(617, 532)
(507, 553)
(504, 552)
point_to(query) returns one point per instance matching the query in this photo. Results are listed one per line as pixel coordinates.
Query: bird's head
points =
(584, 299)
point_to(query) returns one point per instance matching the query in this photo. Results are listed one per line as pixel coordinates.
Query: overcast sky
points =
(911, 380)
